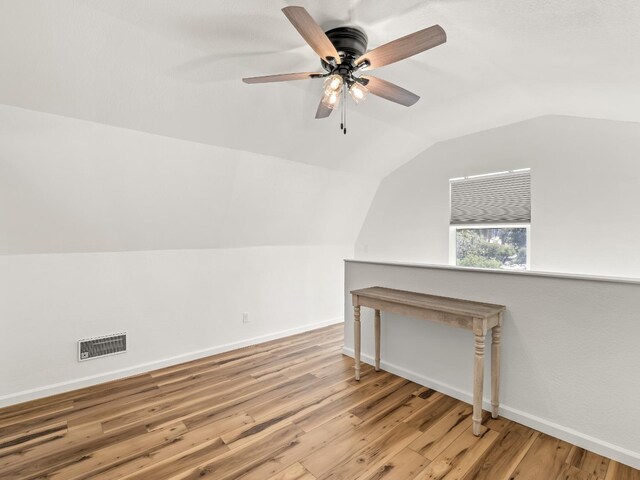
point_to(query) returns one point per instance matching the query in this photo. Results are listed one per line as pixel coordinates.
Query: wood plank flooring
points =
(283, 410)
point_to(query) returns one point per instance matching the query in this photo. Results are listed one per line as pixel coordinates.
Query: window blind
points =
(499, 198)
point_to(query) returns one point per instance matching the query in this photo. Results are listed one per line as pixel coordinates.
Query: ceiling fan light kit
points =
(358, 92)
(333, 84)
(344, 56)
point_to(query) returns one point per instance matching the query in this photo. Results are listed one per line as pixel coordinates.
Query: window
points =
(490, 220)
(495, 246)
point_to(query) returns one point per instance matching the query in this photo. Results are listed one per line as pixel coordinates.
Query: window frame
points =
(478, 226)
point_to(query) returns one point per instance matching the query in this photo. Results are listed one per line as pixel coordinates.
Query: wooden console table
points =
(475, 316)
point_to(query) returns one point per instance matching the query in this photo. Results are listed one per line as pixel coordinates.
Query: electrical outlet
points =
(245, 317)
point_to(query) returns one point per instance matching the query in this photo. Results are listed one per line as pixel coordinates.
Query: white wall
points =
(570, 349)
(104, 229)
(585, 196)
(175, 305)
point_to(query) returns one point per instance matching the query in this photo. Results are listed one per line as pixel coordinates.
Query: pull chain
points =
(344, 110)
(342, 116)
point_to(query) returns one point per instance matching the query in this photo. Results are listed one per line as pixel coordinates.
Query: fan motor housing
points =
(350, 42)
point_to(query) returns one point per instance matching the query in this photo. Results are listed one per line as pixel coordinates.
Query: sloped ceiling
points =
(173, 68)
(69, 185)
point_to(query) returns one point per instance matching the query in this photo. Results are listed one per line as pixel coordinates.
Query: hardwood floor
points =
(283, 410)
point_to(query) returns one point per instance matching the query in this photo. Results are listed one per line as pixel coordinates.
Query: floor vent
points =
(102, 346)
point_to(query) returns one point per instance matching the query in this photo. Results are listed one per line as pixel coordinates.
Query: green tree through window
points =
(504, 248)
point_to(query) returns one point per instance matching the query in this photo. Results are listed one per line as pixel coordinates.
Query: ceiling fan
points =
(343, 53)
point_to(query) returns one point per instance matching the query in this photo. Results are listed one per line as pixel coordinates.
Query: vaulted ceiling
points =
(173, 68)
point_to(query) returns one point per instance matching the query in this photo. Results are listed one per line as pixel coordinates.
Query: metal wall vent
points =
(102, 346)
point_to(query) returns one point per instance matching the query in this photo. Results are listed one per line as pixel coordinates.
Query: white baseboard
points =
(48, 390)
(570, 435)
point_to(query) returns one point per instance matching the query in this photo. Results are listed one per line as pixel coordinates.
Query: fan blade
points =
(283, 77)
(389, 91)
(323, 111)
(312, 33)
(404, 47)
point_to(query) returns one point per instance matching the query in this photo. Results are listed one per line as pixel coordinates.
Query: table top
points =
(432, 302)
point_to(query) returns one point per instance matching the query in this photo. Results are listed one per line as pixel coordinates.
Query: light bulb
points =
(358, 92)
(331, 100)
(333, 84)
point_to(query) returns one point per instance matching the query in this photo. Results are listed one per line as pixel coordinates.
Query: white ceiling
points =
(69, 185)
(173, 68)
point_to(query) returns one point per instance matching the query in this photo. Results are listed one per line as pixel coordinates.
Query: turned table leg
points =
(377, 335)
(478, 381)
(495, 369)
(356, 339)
